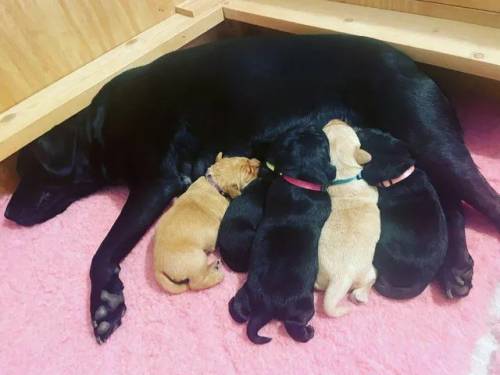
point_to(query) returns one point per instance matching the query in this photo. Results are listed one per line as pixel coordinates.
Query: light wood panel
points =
(193, 8)
(493, 5)
(43, 40)
(455, 45)
(40, 112)
(432, 9)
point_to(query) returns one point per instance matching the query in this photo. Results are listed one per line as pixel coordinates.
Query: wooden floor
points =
(463, 47)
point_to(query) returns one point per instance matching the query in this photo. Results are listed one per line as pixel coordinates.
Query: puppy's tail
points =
(336, 290)
(255, 324)
(171, 286)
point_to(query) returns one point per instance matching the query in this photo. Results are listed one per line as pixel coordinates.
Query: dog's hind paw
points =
(299, 332)
(456, 279)
(360, 295)
(107, 308)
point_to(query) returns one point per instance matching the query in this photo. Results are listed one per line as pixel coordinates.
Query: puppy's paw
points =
(107, 307)
(339, 311)
(216, 272)
(456, 277)
(299, 332)
(359, 295)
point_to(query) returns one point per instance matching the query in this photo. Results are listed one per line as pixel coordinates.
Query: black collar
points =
(211, 181)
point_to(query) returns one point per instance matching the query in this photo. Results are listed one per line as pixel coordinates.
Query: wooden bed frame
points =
(464, 47)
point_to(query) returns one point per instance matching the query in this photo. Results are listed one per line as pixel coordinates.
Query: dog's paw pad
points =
(457, 280)
(107, 307)
(113, 300)
(100, 313)
(103, 327)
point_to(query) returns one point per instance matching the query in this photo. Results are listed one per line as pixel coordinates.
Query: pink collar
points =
(394, 181)
(303, 184)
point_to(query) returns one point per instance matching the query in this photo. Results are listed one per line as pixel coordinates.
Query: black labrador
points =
(284, 255)
(241, 220)
(413, 239)
(149, 125)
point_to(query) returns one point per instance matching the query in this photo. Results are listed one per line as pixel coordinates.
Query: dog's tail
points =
(171, 286)
(383, 287)
(255, 324)
(336, 290)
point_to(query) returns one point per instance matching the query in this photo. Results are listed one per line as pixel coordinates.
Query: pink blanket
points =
(45, 326)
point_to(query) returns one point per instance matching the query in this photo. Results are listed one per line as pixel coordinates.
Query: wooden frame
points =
(485, 16)
(455, 45)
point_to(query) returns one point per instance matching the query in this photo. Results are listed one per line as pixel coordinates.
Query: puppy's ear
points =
(218, 157)
(233, 190)
(362, 157)
(56, 150)
(331, 173)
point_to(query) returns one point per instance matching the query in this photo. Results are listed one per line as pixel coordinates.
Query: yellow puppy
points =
(188, 230)
(350, 234)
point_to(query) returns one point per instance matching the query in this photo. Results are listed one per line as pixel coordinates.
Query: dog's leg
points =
(297, 327)
(336, 290)
(239, 306)
(455, 274)
(299, 331)
(363, 287)
(209, 277)
(255, 323)
(144, 205)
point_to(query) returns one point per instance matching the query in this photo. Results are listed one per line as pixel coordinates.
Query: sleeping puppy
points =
(413, 241)
(188, 230)
(284, 255)
(240, 222)
(349, 236)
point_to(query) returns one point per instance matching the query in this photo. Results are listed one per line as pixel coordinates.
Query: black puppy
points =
(414, 238)
(240, 222)
(149, 123)
(284, 256)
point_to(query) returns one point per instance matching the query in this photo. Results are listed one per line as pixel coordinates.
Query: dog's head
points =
(53, 174)
(233, 174)
(345, 148)
(390, 156)
(304, 154)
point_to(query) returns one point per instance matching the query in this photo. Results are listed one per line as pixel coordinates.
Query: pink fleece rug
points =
(45, 326)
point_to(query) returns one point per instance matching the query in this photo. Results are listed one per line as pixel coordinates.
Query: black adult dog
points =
(241, 220)
(147, 123)
(284, 256)
(414, 238)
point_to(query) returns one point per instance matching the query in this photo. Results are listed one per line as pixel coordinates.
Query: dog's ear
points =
(218, 157)
(56, 150)
(233, 190)
(331, 173)
(362, 157)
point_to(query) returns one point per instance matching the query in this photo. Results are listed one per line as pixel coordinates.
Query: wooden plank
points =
(431, 9)
(193, 8)
(454, 45)
(40, 112)
(41, 41)
(491, 5)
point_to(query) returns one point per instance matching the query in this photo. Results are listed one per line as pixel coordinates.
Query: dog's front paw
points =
(107, 307)
(456, 277)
